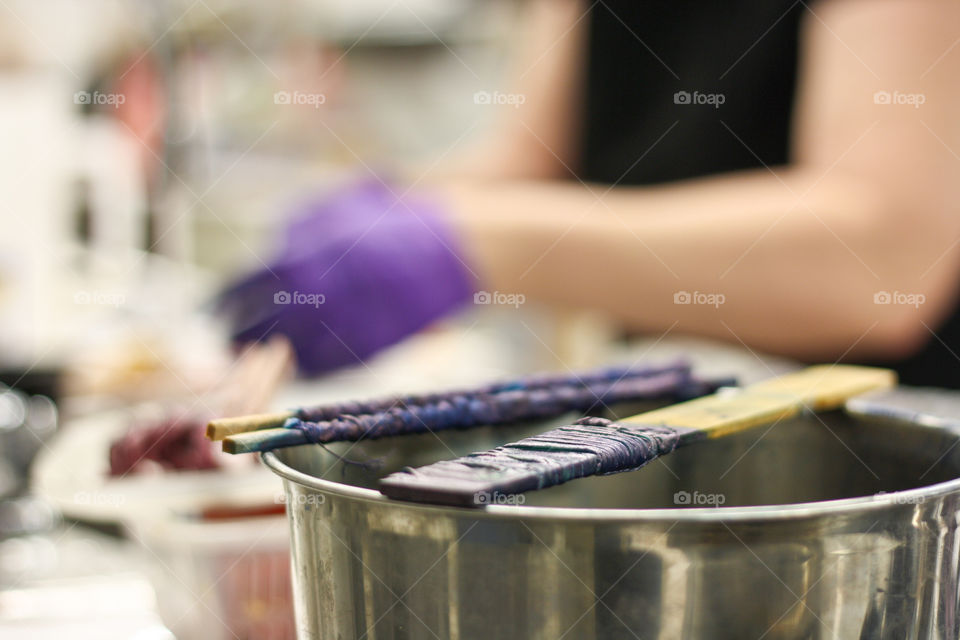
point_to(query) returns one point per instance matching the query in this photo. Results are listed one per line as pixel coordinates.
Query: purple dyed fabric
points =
(590, 446)
(359, 271)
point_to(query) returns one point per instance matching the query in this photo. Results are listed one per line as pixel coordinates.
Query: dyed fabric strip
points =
(591, 446)
(465, 411)
(529, 383)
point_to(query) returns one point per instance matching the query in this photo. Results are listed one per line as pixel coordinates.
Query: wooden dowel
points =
(263, 440)
(224, 427)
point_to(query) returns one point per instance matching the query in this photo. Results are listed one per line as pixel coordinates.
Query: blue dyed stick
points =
(222, 428)
(462, 412)
(527, 383)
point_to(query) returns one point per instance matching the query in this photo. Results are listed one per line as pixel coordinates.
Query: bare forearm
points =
(793, 260)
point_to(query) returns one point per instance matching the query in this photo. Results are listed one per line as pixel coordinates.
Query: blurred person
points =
(779, 175)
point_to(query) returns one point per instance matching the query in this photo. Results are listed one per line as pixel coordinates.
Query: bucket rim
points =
(757, 513)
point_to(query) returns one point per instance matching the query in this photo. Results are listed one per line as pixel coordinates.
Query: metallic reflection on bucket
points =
(828, 528)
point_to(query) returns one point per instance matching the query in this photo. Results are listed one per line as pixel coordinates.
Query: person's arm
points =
(868, 204)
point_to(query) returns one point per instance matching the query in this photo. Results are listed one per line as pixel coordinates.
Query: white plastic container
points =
(220, 578)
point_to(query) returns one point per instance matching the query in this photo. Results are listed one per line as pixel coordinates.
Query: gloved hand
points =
(358, 271)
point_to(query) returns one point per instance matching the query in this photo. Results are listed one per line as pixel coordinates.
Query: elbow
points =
(903, 323)
(898, 335)
(863, 332)
(911, 298)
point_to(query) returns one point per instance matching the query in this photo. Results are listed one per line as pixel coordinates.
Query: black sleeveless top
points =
(684, 88)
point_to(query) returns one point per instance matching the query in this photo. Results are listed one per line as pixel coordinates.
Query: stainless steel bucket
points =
(819, 527)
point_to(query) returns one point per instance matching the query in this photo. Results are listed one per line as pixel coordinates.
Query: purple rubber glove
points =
(358, 271)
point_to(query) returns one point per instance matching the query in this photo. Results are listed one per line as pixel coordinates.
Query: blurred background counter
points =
(145, 147)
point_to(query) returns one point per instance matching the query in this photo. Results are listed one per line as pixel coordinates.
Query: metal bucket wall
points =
(864, 544)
